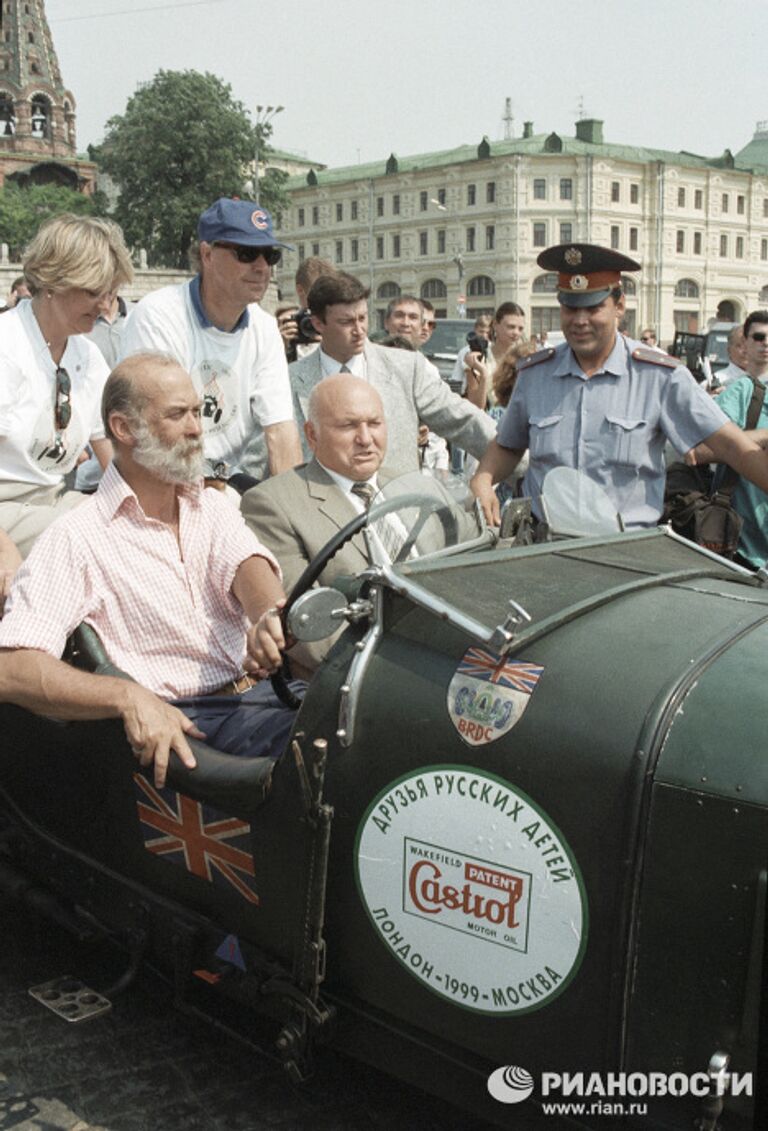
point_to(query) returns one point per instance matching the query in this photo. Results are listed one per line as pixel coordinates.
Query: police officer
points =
(604, 404)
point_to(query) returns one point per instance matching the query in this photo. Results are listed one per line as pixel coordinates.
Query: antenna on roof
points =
(580, 108)
(508, 119)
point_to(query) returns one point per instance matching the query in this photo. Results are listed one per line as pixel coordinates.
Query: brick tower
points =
(37, 112)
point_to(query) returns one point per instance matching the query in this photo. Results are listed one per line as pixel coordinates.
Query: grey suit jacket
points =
(411, 392)
(294, 514)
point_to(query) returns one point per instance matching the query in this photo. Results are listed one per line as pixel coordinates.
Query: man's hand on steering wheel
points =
(265, 642)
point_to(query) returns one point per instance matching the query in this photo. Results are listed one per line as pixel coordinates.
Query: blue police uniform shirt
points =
(612, 426)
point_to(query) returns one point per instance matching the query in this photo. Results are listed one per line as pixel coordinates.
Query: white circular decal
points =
(473, 889)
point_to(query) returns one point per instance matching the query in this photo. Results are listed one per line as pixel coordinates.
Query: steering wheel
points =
(426, 506)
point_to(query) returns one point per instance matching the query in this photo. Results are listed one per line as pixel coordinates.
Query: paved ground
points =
(144, 1067)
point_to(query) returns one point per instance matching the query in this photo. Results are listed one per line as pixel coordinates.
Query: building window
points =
(764, 249)
(470, 240)
(739, 247)
(388, 290)
(740, 204)
(441, 196)
(681, 198)
(539, 235)
(315, 248)
(339, 251)
(433, 288)
(615, 232)
(566, 188)
(315, 214)
(396, 204)
(725, 202)
(686, 321)
(634, 193)
(698, 199)
(481, 286)
(628, 285)
(723, 246)
(30, 37)
(686, 288)
(395, 247)
(379, 247)
(300, 218)
(302, 253)
(697, 243)
(354, 251)
(615, 192)
(379, 205)
(441, 241)
(545, 318)
(490, 192)
(680, 241)
(423, 201)
(765, 208)
(566, 233)
(545, 284)
(353, 210)
(539, 188)
(633, 239)
(490, 237)
(423, 242)
(471, 194)
(339, 212)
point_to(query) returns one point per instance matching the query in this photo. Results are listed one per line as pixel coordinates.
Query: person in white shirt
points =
(737, 359)
(214, 327)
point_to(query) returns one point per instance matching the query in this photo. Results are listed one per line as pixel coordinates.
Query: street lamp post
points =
(264, 116)
(457, 258)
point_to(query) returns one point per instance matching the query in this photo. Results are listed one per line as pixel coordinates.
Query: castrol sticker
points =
(489, 693)
(473, 889)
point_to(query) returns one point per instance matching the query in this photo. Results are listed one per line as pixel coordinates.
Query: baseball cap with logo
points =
(239, 222)
(586, 273)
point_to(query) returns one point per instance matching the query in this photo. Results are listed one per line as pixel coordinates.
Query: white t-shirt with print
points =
(241, 375)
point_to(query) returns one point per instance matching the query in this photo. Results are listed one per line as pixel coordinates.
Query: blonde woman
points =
(51, 377)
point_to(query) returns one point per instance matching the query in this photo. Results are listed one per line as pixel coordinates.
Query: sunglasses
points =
(759, 337)
(646, 339)
(250, 254)
(63, 411)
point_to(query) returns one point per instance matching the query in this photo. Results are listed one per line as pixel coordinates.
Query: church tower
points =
(37, 112)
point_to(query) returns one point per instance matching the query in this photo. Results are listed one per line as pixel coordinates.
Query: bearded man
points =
(184, 597)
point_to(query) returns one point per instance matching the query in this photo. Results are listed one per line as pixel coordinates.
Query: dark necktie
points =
(345, 368)
(364, 491)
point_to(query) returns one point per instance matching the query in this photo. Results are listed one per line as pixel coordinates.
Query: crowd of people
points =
(167, 472)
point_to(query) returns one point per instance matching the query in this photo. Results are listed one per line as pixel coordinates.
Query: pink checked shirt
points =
(166, 615)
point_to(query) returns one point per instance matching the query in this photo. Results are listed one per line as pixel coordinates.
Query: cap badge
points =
(259, 219)
(579, 282)
(572, 257)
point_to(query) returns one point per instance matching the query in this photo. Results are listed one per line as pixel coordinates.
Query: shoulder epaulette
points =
(655, 357)
(535, 358)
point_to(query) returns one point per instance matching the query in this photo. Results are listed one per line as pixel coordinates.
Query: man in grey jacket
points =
(410, 390)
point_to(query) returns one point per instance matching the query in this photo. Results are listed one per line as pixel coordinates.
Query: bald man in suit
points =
(299, 511)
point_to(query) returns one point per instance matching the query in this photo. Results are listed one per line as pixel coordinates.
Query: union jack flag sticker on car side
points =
(207, 843)
(489, 693)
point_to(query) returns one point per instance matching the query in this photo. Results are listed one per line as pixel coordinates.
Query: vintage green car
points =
(516, 850)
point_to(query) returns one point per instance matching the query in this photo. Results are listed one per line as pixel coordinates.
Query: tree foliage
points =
(182, 142)
(23, 210)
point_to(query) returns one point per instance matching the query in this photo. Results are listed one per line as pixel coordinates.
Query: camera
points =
(477, 344)
(307, 332)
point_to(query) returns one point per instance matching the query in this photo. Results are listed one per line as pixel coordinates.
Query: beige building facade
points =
(464, 227)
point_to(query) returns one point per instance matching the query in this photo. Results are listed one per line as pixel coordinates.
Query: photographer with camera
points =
(486, 346)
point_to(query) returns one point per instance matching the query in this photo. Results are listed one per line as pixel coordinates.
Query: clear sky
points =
(360, 79)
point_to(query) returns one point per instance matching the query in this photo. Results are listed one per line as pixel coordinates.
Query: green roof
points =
(749, 158)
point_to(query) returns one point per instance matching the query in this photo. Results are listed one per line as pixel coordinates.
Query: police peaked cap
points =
(586, 274)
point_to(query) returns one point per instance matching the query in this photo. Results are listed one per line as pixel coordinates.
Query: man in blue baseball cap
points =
(214, 327)
(604, 404)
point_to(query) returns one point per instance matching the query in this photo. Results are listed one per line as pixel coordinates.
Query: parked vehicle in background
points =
(448, 337)
(694, 349)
